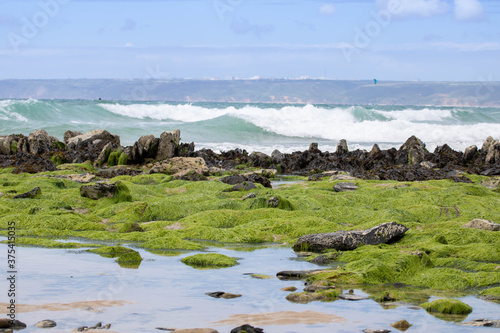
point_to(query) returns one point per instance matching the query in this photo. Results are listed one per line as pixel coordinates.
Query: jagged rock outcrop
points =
(40, 142)
(70, 134)
(34, 193)
(350, 240)
(342, 147)
(144, 148)
(95, 137)
(412, 152)
(167, 144)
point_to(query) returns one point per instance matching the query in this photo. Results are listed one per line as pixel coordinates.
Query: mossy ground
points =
(447, 306)
(176, 215)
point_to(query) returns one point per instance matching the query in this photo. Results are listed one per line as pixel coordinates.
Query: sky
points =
(398, 40)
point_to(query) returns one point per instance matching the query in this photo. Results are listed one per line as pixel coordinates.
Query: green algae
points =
(111, 251)
(179, 215)
(447, 306)
(209, 260)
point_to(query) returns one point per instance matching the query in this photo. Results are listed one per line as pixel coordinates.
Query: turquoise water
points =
(163, 292)
(257, 127)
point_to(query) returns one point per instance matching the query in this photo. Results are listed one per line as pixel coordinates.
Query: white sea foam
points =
(432, 126)
(6, 112)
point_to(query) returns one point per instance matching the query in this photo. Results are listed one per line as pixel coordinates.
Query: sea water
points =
(257, 127)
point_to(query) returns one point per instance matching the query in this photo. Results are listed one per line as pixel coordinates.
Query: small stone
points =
(229, 295)
(247, 329)
(197, 330)
(274, 202)
(289, 289)
(215, 294)
(401, 325)
(376, 331)
(46, 323)
(351, 297)
(481, 323)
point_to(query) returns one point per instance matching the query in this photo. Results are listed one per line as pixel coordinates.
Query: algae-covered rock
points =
(327, 295)
(447, 306)
(111, 251)
(401, 325)
(130, 227)
(209, 260)
(130, 259)
(483, 225)
(118, 191)
(349, 240)
(491, 294)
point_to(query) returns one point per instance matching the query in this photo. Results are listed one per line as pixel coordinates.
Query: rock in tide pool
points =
(351, 297)
(401, 325)
(221, 294)
(46, 323)
(9, 323)
(350, 240)
(481, 323)
(247, 329)
(483, 225)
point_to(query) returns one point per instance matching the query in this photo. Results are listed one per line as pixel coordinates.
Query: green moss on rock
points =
(210, 260)
(447, 306)
(111, 251)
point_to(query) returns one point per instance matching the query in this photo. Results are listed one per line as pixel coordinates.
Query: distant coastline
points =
(279, 91)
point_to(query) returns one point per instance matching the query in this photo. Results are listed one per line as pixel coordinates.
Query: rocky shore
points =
(40, 152)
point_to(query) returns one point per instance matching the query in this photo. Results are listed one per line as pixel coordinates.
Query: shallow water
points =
(166, 293)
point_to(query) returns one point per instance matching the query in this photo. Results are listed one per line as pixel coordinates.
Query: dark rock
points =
(481, 323)
(40, 142)
(168, 143)
(221, 294)
(493, 154)
(9, 323)
(313, 147)
(375, 152)
(144, 148)
(25, 162)
(370, 330)
(192, 176)
(245, 186)
(486, 144)
(233, 180)
(185, 150)
(412, 152)
(350, 240)
(256, 178)
(470, 153)
(342, 187)
(295, 275)
(277, 157)
(104, 155)
(325, 259)
(247, 329)
(34, 193)
(46, 324)
(342, 147)
(351, 297)
(98, 190)
(120, 171)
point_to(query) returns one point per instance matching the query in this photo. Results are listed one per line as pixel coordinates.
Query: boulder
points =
(277, 157)
(342, 147)
(313, 147)
(93, 138)
(233, 180)
(256, 178)
(167, 144)
(9, 323)
(145, 147)
(486, 144)
(482, 225)
(40, 142)
(10, 144)
(401, 325)
(470, 153)
(34, 193)
(350, 240)
(412, 152)
(375, 152)
(99, 190)
(343, 187)
(352, 297)
(493, 155)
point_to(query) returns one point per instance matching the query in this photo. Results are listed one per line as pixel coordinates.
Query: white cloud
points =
(414, 8)
(468, 10)
(327, 9)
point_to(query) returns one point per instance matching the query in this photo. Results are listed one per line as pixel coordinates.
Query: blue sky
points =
(429, 40)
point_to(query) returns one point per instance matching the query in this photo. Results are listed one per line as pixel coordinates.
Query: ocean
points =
(257, 127)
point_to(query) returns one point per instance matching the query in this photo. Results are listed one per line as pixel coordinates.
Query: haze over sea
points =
(257, 127)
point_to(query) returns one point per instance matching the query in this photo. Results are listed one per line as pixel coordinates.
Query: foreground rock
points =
(483, 225)
(99, 190)
(350, 240)
(9, 323)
